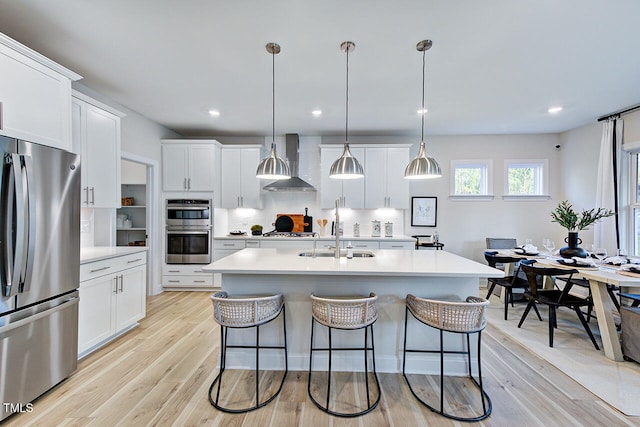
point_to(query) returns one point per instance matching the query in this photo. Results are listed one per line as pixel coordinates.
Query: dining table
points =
(600, 278)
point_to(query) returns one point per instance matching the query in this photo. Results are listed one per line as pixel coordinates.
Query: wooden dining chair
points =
(507, 282)
(554, 298)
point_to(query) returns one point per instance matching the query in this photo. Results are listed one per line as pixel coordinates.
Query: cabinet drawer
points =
(95, 269)
(183, 270)
(203, 281)
(228, 244)
(397, 245)
(361, 244)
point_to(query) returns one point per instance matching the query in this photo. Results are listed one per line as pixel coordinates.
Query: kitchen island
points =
(391, 274)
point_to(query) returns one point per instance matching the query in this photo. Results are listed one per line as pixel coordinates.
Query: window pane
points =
(636, 231)
(637, 180)
(522, 180)
(468, 181)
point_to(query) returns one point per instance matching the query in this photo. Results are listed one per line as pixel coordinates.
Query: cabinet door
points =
(249, 184)
(36, 101)
(397, 186)
(201, 168)
(231, 186)
(131, 296)
(102, 157)
(375, 178)
(96, 314)
(174, 167)
(78, 114)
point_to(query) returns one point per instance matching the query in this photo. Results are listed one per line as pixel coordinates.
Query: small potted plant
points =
(256, 229)
(574, 222)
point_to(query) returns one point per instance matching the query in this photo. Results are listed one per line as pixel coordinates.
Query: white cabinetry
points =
(185, 277)
(190, 166)
(385, 186)
(35, 96)
(240, 187)
(112, 299)
(96, 137)
(349, 191)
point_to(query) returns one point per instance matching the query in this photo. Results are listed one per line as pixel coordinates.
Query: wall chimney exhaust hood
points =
(294, 183)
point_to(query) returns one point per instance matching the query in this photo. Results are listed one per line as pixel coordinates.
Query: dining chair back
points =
(500, 243)
(554, 298)
(508, 283)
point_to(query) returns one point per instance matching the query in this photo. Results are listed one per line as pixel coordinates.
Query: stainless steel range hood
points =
(294, 183)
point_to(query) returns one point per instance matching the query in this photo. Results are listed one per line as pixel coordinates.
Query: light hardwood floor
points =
(159, 374)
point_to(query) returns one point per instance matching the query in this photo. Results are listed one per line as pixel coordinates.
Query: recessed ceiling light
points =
(214, 113)
(316, 113)
(422, 111)
(554, 110)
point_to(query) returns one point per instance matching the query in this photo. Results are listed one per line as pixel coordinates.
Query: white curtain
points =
(604, 232)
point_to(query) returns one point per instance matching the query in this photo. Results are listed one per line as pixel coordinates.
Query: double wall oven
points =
(189, 231)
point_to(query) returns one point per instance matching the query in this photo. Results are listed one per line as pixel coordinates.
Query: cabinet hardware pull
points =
(185, 184)
(198, 281)
(134, 260)
(115, 291)
(227, 244)
(93, 195)
(174, 271)
(86, 199)
(121, 283)
(189, 184)
(100, 269)
(173, 281)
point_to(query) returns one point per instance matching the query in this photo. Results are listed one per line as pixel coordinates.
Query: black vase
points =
(573, 250)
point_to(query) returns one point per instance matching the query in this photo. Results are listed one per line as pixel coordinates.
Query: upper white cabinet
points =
(385, 186)
(35, 96)
(96, 137)
(240, 187)
(350, 192)
(190, 166)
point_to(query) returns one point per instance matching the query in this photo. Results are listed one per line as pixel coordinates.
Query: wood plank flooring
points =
(159, 374)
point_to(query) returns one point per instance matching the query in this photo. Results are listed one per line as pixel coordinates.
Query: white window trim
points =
(487, 163)
(544, 194)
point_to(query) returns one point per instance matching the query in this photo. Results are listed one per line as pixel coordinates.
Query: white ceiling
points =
(496, 65)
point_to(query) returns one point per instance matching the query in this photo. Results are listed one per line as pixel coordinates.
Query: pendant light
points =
(347, 166)
(272, 166)
(423, 166)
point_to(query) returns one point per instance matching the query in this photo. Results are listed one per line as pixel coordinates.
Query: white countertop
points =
(248, 236)
(386, 263)
(97, 253)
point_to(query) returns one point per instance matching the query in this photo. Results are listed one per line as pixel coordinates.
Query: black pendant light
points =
(423, 166)
(347, 166)
(272, 166)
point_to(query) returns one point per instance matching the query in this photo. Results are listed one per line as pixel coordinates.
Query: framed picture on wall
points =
(424, 211)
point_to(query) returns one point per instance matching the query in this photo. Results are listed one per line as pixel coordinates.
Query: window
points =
(526, 178)
(471, 178)
(635, 203)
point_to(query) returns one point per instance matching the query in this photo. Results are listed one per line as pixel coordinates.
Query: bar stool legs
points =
(443, 325)
(224, 329)
(324, 316)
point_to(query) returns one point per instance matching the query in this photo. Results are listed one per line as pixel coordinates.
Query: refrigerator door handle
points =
(21, 237)
(7, 197)
(40, 315)
(27, 270)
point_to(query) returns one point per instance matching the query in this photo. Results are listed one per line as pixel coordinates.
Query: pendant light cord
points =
(423, 111)
(346, 121)
(273, 97)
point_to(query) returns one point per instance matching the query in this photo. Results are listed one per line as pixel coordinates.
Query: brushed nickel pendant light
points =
(423, 166)
(347, 166)
(272, 166)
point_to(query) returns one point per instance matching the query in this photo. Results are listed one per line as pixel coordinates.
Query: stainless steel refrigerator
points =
(39, 270)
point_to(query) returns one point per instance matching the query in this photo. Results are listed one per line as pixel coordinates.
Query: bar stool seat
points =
(247, 312)
(465, 317)
(344, 313)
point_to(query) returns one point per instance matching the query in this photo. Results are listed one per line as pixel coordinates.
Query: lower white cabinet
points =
(185, 277)
(112, 299)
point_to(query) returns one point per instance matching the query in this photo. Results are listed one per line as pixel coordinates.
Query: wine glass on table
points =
(549, 245)
(601, 254)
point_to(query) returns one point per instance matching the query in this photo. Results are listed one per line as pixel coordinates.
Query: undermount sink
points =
(343, 253)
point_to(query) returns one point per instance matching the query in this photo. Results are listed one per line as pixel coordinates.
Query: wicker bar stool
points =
(457, 317)
(246, 312)
(345, 313)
